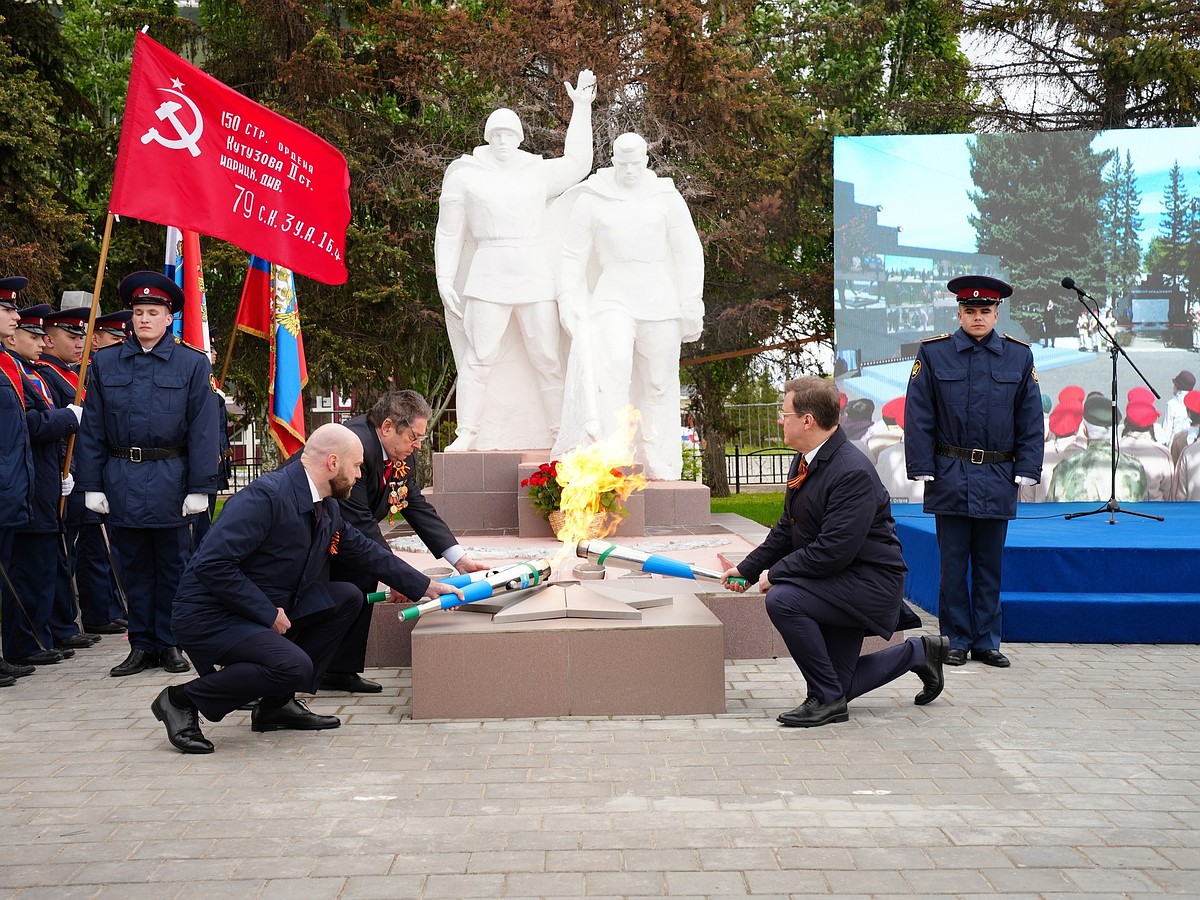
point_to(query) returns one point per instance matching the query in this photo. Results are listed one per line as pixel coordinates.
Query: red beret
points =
(894, 410)
(842, 398)
(1065, 419)
(1140, 414)
(1192, 401)
(1072, 393)
(1140, 394)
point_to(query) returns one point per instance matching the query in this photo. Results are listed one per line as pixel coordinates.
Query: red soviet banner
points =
(198, 155)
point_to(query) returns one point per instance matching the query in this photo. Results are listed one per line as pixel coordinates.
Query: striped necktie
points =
(801, 473)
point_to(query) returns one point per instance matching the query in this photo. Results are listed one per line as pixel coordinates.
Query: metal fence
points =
(768, 466)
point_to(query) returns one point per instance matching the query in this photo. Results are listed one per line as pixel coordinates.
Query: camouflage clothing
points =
(1088, 476)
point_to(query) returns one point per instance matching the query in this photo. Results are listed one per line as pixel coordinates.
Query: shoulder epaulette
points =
(936, 337)
(184, 343)
(1015, 340)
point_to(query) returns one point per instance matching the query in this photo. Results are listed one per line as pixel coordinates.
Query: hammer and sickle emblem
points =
(184, 138)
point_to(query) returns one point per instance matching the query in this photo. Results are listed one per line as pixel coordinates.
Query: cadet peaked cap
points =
(8, 290)
(150, 287)
(73, 321)
(894, 410)
(1141, 414)
(33, 318)
(978, 290)
(1184, 381)
(1098, 410)
(115, 322)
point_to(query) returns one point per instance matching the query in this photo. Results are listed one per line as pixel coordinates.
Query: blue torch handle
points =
(479, 590)
(663, 565)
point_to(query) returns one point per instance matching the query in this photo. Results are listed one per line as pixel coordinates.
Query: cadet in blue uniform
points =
(16, 460)
(973, 431)
(34, 570)
(147, 457)
(63, 350)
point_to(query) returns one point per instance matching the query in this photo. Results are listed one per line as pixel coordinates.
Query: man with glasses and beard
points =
(258, 601)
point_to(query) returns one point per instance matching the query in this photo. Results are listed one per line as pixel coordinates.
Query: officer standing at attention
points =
(147, 457)
(16, 459)
(973, 432)
(61, 354)
(26, 616)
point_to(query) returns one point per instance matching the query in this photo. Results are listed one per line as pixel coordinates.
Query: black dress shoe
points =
(293, 714)
(991, 658)
(124, 623)
(110, 628)
(183, 724)
(349, 681)
(955, 657)
(136, 661)
(172, 660)
(7, 668)
(813, 713)
(74, 642)
(45, 658)
(937, 648)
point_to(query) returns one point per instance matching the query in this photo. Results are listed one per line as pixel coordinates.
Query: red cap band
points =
(979, 293)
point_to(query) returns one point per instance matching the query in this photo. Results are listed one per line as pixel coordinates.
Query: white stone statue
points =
(631, 290)
(494, 271)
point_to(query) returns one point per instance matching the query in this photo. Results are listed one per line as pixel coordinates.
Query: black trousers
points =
(826, 643)
(274, 666)
(351, 655)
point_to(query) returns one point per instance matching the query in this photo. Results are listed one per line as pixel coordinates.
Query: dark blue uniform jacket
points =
(16, 458)
(977, 395)
(160, 399)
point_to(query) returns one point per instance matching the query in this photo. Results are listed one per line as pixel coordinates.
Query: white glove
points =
(96, 502)
(68, 484)
(78, 410)
(195, 503)
(923, 478)
(1024, 481)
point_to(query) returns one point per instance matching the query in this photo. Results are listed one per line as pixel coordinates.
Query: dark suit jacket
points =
(367, 505)
(264, 552)
(837, 538)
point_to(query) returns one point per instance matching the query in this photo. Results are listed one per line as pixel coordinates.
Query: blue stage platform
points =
(1082, 580)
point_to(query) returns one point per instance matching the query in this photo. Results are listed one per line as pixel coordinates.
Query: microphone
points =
(1069, 283)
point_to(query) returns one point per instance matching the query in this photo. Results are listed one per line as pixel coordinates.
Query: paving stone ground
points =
(1075, 772)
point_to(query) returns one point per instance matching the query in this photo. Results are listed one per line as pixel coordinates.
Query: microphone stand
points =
(1112, 507)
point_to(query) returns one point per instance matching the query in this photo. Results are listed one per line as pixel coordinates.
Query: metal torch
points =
(517, 577)
(456, 580)
(603, 553)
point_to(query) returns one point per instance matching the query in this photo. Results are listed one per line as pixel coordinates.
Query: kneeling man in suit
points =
(256, 599)
(835, 569)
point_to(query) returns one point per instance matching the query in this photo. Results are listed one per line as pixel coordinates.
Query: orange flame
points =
(596, 483)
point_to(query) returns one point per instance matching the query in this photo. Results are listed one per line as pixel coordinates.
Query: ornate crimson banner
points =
(198, 155)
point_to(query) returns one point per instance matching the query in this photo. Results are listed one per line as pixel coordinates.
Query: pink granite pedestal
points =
(671, 662)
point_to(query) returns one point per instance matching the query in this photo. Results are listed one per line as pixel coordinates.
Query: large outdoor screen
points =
(1118, 212)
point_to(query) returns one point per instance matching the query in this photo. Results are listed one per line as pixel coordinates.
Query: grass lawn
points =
(762, 508)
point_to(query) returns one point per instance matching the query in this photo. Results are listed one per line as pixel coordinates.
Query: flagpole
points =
(87, 346)
(228, 356)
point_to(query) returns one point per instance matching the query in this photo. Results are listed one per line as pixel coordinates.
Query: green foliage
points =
(1038, 201)
(1120, 226)
(1103, 64)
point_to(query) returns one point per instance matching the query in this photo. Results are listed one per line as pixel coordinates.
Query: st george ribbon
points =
(198, 155)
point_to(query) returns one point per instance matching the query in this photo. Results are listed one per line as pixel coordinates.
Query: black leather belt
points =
(978, 457)
(145, 454)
